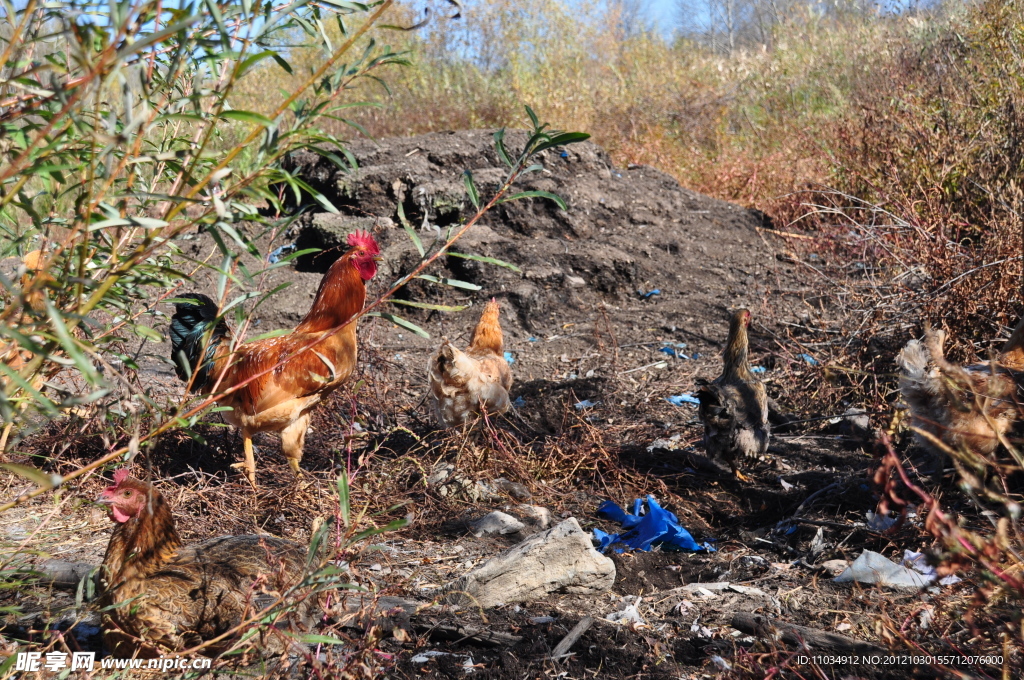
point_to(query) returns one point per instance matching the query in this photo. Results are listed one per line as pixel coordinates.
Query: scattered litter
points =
(277, 253)
(919, 562)
(721, 663)
(880, 523)
(519, 402)
(533, 339)
(844, 626)
(424, 657)
(925, 617)
(629, 613)
(673, 352)
(564, 154)
(537, 620)
(657, 526)
(872, 567)
(649, 294)
(586, 403)
(757, 369)
(509, 358)
(809, 359)
(834, 567)
(670, 444)
(786, 486)
(695, 356)
(685, 398)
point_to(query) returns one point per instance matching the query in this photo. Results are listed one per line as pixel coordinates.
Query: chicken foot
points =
(249, 465)
(293, 439)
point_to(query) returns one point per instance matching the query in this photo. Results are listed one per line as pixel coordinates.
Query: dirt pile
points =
(627, 231)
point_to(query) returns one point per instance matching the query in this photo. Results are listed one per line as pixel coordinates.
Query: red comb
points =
(120, 476)
(362, 239)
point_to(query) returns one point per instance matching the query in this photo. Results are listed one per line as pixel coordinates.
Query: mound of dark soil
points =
(626, 232)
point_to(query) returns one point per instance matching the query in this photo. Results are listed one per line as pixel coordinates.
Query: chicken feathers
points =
(277, 381)
(965, 408)
(734, 407)
(157, 594)
(463, 382)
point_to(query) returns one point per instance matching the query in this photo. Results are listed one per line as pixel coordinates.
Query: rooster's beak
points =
(378, 258)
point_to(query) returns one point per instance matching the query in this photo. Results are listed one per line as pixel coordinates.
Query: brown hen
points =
(159, 595)
(965, 408)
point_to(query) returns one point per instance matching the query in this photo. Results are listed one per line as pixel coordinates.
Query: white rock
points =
(536, 515)
(495, 523)
(560, 559)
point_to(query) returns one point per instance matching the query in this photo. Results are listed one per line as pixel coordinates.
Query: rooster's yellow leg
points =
(293, 439)
(740, 476)
(249, 466)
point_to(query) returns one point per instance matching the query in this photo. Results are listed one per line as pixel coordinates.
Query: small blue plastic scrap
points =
(648, 294)
(672, 352)
(277, 253)
(509, 358)
(519, 402)
(586, 403)
(533, 339)
(564, 154)
(809, 359)
(682, 399)
(757, 369)
(656, 527)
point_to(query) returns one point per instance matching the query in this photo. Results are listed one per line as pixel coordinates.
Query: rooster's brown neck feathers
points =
(148, 540)
(341, 296)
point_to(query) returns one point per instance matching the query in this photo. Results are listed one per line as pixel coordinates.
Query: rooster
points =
(284, 377)
(734, 407)
(159, 595)
(464, 383)
(967, 408)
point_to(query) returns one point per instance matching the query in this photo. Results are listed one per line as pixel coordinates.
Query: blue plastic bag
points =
(657, 527)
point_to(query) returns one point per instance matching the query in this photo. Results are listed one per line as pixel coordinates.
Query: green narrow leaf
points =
(399, 321)
(474, 197)
(343, 498)
(536, 194)
(533, 117)
(248, 117)
(315, 639)
(34, 475)
(428, 305)
(499, 146)
(562, 140)
(454, 283)
(488, 260)
(413, 236)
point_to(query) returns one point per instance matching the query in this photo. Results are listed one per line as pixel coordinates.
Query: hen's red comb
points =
(120, 476)
(362, 239)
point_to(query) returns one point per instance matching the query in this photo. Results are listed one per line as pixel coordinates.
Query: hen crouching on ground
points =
(461, 383)
(734, 407)
(159, 595)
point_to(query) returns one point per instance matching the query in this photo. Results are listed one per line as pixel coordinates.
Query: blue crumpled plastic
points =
(278, 253)
(680, 399)
(672, 352)
(509, 358)
(657, 526)
(648, 294)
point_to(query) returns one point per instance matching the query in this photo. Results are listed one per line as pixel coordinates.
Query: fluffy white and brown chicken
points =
(463, 383)
(966, 408)
(734, 407)
(159, 595)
